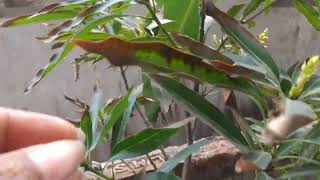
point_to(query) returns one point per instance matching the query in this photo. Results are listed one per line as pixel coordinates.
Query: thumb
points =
(57, 161)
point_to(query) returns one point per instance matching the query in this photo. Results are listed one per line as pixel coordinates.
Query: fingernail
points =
(57, 160)
(81, 135)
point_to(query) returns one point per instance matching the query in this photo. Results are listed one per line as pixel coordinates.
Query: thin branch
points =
(155, 18)
(124, 77)
(202, 22)
(259, 13)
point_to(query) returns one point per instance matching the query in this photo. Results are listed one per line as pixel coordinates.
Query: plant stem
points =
(259, 13)
(124, 77)
(155, 18)
(202, 22)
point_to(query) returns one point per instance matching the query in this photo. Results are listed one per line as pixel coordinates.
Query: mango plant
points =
(167, 41)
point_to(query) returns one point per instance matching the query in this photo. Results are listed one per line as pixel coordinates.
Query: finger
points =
(20, 129)
(75, 176)
(52, 161)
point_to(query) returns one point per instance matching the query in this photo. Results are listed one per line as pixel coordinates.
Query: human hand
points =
(38, 147)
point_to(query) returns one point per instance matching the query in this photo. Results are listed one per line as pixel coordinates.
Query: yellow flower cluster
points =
(264, 36)
(308, 68)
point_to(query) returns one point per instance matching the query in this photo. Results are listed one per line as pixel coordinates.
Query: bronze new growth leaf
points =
(122, 53)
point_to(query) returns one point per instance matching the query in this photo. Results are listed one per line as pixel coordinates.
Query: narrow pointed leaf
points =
(252, 6)
(312, 15)
(120, 52)
(170, 164)
(28, 19)
(120, 125)
(152, 109)
(67, 25)
(304, 170)
(68, 47)
(185, 15)
(117, 114)
(141, 143)
(86, 127)
(235, 9)
(245, 39)
(203, 110)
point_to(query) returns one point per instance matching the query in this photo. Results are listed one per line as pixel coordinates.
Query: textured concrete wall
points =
(291, 39)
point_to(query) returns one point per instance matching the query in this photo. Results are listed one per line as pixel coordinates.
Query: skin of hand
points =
(38, 147)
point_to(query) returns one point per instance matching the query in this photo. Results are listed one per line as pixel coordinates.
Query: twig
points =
(202, 22)
(124, 77)
(155, 18)
(259, 13)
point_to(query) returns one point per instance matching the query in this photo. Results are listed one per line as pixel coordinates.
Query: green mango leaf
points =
(86, 127)
(185, 15)
(38, 18)
(120, 125)
(260, 175)
(235, 9)
(203, 110)
(304, 170)
(67, 48)
(312, 15)
(246, 40)
(260, 158)
(170, 164)
(119, 111)
(252, 6)
(155, 54)
(152, 109)
(68, 25)
(162, 176)
(93, 111)
(142, 143)
(71, 4)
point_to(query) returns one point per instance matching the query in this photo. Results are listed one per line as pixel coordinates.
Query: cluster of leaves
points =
(165, 43)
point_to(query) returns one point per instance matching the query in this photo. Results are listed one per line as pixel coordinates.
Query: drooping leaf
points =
(185, 15)
(120, 125)
(68, 47)
(71, 4)
(312, 15)
(260, 158)
(202, 109)
(67, 25)
(235, 9)
(304, 170)
(152, 109)
(162, 176)
(119, 111)
(246, 40)
(120, 52)
(143, 142)
(38, 18)
(252, 6)
(170, 164)
(94, 117)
